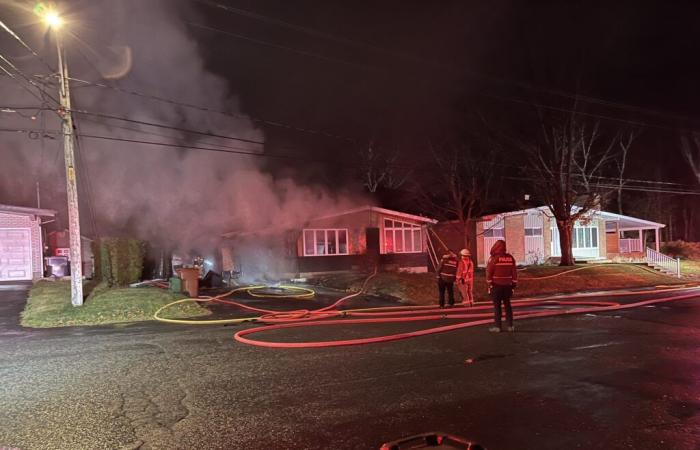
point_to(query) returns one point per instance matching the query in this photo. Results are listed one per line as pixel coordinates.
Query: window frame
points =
(404, 229)
(315, 232)
(584, 234)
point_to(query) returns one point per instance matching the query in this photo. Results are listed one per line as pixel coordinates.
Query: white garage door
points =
(15, 254)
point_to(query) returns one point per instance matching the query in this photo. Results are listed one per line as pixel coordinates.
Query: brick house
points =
(355, 239)
(21, 242)
(532, 236)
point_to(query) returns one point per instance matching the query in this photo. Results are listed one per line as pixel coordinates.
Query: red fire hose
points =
(473, 315)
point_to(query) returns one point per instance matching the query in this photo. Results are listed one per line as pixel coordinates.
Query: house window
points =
(325, 242)
(532, 231)
(402, 237)
(584, 237)
(495, 233)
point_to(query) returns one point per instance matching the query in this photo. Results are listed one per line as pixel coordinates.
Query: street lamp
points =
(53, 20)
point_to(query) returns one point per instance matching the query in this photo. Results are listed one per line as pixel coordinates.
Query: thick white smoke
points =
(169, 196)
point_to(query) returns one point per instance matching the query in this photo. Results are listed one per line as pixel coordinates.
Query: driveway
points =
(619, 380)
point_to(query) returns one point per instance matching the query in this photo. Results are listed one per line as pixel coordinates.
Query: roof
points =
(368, 208)
(628, 222)
(23, 210)
(624, 222)
(381, 211)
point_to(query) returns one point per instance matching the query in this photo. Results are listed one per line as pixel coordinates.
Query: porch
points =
(629, 237)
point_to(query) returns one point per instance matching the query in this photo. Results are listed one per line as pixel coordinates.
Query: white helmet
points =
(464, 252)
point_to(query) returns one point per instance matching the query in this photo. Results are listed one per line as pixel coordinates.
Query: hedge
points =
(118, 261)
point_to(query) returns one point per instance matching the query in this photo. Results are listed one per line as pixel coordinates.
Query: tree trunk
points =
(465, 232)
(565, 234)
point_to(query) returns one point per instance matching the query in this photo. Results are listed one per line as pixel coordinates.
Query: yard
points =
(49, 305)
(421, 289)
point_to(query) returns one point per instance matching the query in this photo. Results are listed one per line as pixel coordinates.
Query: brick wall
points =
(32, 223)
(547, 235)
(602, 239)
(515, 237)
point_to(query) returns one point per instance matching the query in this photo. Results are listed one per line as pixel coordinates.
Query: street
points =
(623, 380)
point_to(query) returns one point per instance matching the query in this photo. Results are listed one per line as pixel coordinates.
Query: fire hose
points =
(474, 315)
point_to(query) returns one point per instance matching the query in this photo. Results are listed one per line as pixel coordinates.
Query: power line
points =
(213, 110)
(624, 187)
(12, 75)
(167, 127)
(284, 47)
(26, 46)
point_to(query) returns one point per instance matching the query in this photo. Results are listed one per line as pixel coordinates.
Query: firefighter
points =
(465, 277)
(447, 272)
(502, 278)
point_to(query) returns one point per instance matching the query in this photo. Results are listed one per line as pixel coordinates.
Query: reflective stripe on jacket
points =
(447, 270)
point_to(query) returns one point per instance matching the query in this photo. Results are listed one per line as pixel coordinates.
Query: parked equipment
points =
(57, 266)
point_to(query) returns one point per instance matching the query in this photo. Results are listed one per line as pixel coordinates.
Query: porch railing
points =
(630, 245)
(665, 262)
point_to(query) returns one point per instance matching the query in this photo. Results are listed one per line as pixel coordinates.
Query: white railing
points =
(668, 264)
(630, 245)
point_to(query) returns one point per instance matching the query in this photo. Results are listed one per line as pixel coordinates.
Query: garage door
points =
(15, 254)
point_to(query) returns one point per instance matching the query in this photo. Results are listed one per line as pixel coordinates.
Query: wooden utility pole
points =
(76, 263)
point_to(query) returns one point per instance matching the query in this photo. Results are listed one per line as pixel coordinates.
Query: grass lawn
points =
(690, 268)
(421, 288)
(49, 305)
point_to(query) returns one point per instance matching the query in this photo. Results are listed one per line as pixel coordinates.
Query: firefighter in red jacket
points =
(447, 272)
(465, 277)
(502, 278)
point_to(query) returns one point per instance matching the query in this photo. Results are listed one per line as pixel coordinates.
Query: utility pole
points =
(76, 263)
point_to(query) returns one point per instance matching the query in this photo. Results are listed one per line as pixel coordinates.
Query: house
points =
(361, 238)
(532, 236)
(21, 242)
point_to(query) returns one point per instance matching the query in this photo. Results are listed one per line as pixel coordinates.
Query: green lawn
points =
(49, 305)
(690, 268)
(421, 288)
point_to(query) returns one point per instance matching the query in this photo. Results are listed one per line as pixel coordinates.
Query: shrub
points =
(682, 249)
(118, 261)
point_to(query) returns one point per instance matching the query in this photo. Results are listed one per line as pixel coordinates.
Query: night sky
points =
(641, 55)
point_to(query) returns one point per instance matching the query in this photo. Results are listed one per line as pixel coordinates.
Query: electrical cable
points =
(213, 110)
(25, 45)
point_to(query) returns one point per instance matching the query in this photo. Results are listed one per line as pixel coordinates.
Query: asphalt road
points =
(623, 380)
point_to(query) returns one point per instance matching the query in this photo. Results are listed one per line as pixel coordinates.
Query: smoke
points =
(173, 197)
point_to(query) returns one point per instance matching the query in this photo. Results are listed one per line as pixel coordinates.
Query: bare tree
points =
(625, 144)
(690, 145)
(380, 168)
(569, 161)
(459, 186)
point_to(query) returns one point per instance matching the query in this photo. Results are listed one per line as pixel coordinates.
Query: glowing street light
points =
(48, 14)
(53, 20)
